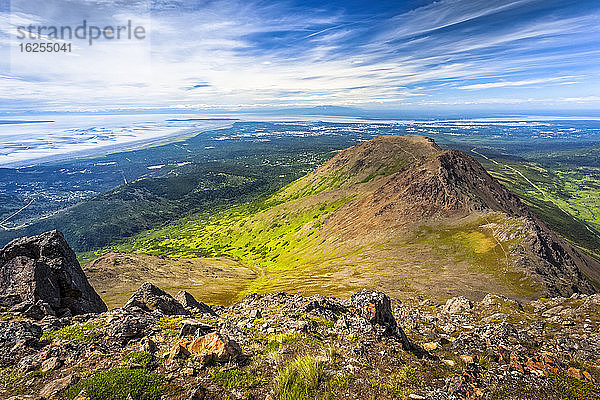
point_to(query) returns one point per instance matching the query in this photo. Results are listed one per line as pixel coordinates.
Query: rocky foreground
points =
(60, 342)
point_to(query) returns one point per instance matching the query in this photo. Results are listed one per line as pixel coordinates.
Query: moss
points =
(119, 383)
(207, 321)
(574, 389)
(285, 337)
(321, 322)
(409, 375)
(84, 333)
(15, 382)
(170, 322)
(141, 358)
(170, 325)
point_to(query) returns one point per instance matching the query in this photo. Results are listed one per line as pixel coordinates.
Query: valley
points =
(219, 194)
(366, 218)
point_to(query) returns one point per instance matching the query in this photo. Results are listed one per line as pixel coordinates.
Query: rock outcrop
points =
(149, 298)
(191, 304)
(376, 308)
(475, 349)
(42, 276)
(457, 305)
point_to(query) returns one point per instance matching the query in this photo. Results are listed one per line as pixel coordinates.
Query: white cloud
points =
(528, 82)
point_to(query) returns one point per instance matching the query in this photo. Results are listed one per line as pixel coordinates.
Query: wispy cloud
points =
(243, 53)
(527, 82)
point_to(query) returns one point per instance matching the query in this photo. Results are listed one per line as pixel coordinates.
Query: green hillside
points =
(333, 231)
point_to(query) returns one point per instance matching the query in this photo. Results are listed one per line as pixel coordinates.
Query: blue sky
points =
(237, 55)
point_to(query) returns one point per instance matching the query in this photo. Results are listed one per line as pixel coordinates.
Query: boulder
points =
(211, 348)
(149, 298)
(130, 326)
(255, 314)
(43, 270)
(38, 311)
(193, 305)
(457, 305)
(50, 364)
(53, 388)
(194, 328)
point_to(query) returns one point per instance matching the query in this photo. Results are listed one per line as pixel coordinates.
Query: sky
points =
(247, 55)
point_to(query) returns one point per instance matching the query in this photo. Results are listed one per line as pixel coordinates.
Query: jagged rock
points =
(149, 298)
(13, 332)
(197, 393)
(130, 326)
(44, 268)
(505, 335)
(178, 351)
(50, 364)
(49, 323)
(457, 305)
(492, 300)
(467, 359)
(37, 310)
(255, 314)
(468, 385)
(194, 328)
(430, 346)
(29, 363)
(579, 374)
(522, 354)
(376, 308)
(147, 345)
(193, 305)
(325, 308)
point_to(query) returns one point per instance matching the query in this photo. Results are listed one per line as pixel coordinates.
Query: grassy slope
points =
(285, 238)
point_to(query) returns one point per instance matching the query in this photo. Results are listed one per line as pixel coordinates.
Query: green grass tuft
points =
(299, 379)
(235, 378)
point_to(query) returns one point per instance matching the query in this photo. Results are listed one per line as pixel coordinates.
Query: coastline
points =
(101, 150)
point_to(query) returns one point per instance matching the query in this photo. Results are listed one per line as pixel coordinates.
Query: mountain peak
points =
(382, 155)
(364, 162)
(454, 182)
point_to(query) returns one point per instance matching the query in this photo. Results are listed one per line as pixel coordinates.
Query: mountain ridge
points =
(396, 213)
